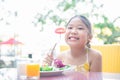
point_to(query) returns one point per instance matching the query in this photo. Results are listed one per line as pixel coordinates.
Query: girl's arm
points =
(96, 63)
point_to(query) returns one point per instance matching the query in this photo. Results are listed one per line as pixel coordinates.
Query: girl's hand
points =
(48, 59)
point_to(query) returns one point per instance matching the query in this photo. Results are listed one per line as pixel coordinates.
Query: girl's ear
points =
(89, 40)
(90, 36)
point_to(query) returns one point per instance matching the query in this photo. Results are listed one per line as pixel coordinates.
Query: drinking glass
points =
(33, 70)
(21, 68)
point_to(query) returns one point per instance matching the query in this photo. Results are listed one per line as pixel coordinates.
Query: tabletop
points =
(11, 74)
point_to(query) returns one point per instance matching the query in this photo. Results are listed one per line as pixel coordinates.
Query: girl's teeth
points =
(71, 38)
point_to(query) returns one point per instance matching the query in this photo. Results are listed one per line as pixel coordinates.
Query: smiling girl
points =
(78, 36)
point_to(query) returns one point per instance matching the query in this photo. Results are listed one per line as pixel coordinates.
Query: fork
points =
(53, 48)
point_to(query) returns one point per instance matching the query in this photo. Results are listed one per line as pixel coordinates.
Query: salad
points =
(58, 66)
(52, 68)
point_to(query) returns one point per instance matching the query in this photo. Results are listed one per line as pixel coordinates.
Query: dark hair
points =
(86, 22)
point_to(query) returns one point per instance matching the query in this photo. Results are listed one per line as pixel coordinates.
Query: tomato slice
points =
(60, 30)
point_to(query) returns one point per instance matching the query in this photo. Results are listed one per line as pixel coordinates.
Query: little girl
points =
(78, 36)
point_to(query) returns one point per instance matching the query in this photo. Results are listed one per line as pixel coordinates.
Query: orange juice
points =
(33, 70)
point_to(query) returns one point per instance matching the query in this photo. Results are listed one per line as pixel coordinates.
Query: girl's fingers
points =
(46, 63)
(50, 54)
(48, 59)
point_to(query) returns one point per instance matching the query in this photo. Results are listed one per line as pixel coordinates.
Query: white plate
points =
(51, 73)
(56, 72)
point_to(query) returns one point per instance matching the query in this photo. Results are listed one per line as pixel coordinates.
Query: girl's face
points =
(77, 34)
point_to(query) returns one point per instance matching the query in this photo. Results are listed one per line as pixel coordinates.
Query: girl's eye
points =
(69, 27)
(80, 28)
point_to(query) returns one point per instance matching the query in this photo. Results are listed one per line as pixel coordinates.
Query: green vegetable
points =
(51, 68)
(63, 68)
(46, 68)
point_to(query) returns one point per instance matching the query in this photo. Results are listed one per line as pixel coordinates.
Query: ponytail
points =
(88, 45)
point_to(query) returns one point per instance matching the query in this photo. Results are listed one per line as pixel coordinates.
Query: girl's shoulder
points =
(95, 60)
(94, 54)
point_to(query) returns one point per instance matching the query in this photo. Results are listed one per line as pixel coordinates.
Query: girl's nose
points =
(74, 31)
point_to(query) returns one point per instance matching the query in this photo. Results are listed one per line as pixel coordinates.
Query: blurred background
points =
(31, 24)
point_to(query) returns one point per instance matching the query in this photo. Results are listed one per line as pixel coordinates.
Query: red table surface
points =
(71, 75)
(11, 74)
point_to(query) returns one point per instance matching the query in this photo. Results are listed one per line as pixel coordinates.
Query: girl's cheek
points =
(67, 33)
(66, 36)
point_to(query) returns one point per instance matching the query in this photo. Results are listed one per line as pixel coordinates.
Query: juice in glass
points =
(33, 70)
